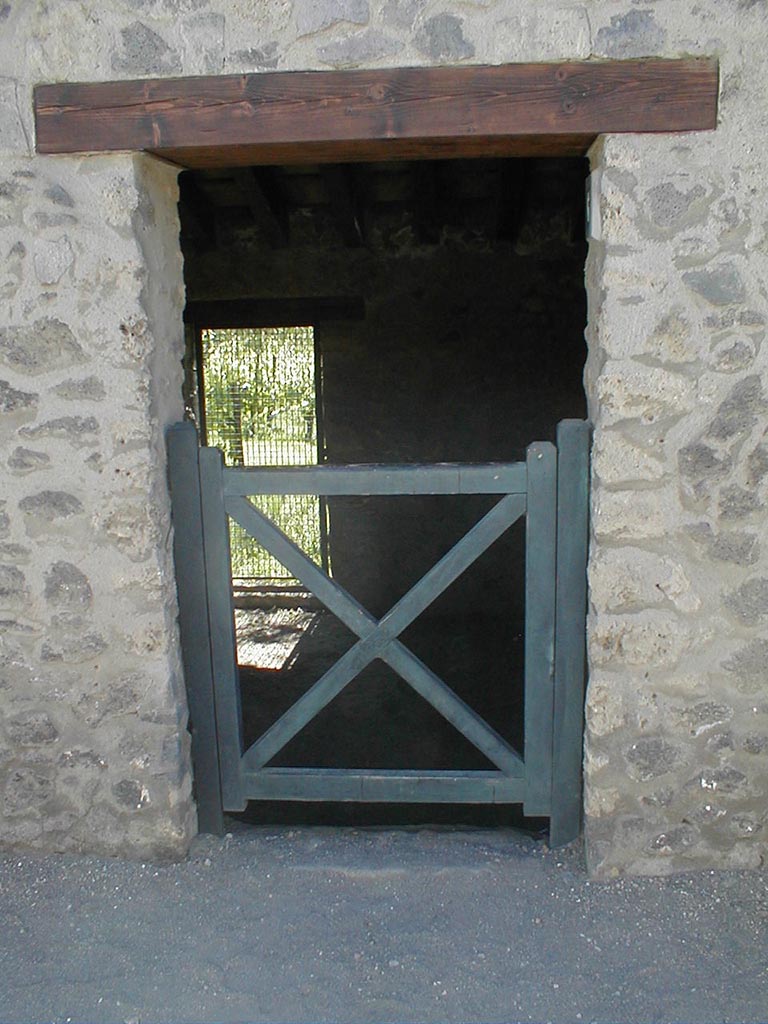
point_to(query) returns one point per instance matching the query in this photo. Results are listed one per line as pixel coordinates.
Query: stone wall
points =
(93, 753)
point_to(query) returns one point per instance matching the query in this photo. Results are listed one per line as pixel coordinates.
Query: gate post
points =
(573, 437)
(221, 627)
(184, 479)
(540, 539)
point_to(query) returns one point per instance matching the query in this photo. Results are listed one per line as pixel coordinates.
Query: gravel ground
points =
(363, 925)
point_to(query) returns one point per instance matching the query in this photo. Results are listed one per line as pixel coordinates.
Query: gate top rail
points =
(443, 478)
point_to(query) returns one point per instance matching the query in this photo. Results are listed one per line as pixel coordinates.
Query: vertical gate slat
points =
(184, 481)
(573, 438)
(540, 537)
(222, 631)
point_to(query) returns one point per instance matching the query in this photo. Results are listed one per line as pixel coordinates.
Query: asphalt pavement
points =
(353, 925)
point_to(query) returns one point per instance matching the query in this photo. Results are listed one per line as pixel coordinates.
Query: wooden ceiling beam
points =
(401, 113)
(260, 195)
(340, 188)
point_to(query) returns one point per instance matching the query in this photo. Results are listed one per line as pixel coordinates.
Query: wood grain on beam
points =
(191, 117)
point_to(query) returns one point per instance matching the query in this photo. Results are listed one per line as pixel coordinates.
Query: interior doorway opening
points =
(449, 311)
(259, 401)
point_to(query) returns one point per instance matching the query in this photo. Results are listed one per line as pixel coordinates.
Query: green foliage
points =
(259, 390)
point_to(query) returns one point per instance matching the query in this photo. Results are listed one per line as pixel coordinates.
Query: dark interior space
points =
(448, 305)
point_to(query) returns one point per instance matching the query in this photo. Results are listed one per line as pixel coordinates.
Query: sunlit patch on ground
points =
(267, 638)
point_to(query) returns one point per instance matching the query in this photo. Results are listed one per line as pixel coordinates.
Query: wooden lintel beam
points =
(261, 198)
(200, 121)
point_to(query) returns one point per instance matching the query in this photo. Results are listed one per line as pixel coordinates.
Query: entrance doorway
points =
(447, 309)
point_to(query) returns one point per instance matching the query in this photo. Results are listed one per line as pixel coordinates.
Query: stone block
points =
(27, 789)
(672, 342)
(749, 664)
(634, 34)
(14, 553)
(736, 548)
(738, 503)
(129, 527)
(87, 389)
(59, 196)
(651, 757)
(738, 413)
(648, 639)
(259, 58)
(626, 391)
(130, 793)
(51, 505)
(746, 826)
(203, 36)
(441, 38)
(601, 801)
(732, 356)
(13, 586)
(749, 602)
(74, 650)
(402, 13)
(757, 465)
(630, 579)
(615, 460)
(316, 15)
(52, 259)
(45, 345)
(551, 33)
(67, 587)
(721, 286)
(755, 743)
(633, 515)
(82, 760)
(361, 48)
(671, 209)
(33, 728)
(120, 697)
(144, 52)
(25, 460)
(605, 706)
(721, 780)
(699, 462)
(13, 401)
(78, 430)
(705, 715)
(675, 840)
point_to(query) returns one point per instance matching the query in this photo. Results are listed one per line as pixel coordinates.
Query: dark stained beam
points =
(342, 196)
(402, 113)
(273, 312)
(261, 196)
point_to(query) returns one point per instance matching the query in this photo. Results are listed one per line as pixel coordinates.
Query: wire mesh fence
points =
(259, 392)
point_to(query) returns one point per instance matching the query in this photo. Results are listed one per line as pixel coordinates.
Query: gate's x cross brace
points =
(378, 638)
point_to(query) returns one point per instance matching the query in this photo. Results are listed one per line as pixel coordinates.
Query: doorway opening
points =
(259, 402)
(466, 278)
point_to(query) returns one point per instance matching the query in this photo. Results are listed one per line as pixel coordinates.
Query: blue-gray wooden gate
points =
(549, 489)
